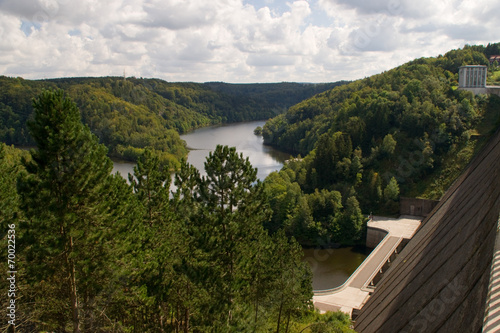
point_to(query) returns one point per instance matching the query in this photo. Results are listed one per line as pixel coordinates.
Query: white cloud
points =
(234, 40)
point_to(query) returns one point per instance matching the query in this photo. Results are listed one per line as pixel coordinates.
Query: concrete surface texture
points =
(355, 291)
(440, 281)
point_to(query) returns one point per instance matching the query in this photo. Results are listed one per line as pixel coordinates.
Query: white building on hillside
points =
(473, 78)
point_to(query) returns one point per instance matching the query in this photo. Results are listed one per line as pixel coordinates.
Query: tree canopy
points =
(407, 131)
(98, 254)
(129, 115)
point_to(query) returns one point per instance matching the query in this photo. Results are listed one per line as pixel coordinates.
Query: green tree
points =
(228, 207)
(332, 160)
(151, 182)
(388, 145)
(325, 159)
(283, 196)
(155, 251)
(352, 222)
(258, 131)
(303, 225)
(391, 191)
(332, 322)
(292, 290)
(68, 222)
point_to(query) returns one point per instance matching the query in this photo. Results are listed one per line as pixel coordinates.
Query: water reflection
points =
(202, 141)
(332, 267)
(123, 167)
(240, 135)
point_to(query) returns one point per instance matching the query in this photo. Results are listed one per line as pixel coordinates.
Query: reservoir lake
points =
(202, 141)
(330, 267)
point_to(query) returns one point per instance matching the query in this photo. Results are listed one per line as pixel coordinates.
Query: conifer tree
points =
(164, 243)
(151, 183)
(8, 195)
(292, 286)
(233, 211)
(67, 196)
(227, 208)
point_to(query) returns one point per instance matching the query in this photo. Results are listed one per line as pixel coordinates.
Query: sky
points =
(236, 41)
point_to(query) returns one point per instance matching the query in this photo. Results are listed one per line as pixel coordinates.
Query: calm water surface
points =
(330, 267)
(204, 140)
(240, 135)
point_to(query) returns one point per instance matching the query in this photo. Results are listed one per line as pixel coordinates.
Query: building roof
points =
(473, 66)
(494, 58)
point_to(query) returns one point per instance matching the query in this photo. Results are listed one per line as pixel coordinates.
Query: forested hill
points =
(407, 131)
(130, 114)
(275, 95)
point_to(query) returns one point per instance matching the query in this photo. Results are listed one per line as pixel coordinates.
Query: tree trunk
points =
(279, 315)
(186, 320)
(172, 318)
(177, 327)
(256, 314)
(161, 308)
(73, 291)
(186, 327)
(288, 321)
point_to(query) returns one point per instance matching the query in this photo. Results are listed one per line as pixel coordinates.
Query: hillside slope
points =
(130, 114)
(407, 131)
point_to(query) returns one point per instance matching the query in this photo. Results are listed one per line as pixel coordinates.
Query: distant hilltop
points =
(130, 114)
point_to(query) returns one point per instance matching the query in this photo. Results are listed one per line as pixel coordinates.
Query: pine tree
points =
(391, 191)
(8, 194)
(165, 244)
(292, 285)
(234, 210)
(224, 213)
(67, 197)
(151, 183)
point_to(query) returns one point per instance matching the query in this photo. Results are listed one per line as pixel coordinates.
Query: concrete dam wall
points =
(440, 281)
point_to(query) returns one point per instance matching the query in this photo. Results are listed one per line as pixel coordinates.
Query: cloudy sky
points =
(234, 40)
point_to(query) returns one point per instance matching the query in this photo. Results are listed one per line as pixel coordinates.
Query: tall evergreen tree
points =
(67, 197)
(234, 210)
(227, 208)
(8, 194)
(151, 183)
(292, 291)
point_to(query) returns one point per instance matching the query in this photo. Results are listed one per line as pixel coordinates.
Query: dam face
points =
(440, 281)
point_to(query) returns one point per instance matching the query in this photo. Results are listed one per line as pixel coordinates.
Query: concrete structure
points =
(391, 236)
(492, 314)
(416, 207)
(447, 278)
(473, 78)
(374, 236)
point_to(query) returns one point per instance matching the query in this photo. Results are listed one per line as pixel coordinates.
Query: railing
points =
(383, 262)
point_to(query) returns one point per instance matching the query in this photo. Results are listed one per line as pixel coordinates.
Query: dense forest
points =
(94, 253)
(129, 115)
(407, 131)
(222, 253)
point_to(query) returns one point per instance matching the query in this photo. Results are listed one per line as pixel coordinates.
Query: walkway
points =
(356, 290)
